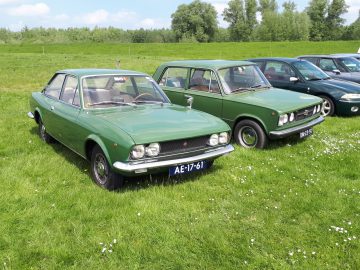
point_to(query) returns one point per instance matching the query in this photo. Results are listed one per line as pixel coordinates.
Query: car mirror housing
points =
(189, 100)
(294, 79)
(336, 71)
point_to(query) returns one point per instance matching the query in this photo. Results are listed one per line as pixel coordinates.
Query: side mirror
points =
(189, 101)
(294, 79)
(336, 71)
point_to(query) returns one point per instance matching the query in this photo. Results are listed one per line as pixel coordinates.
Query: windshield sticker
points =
(120, 79)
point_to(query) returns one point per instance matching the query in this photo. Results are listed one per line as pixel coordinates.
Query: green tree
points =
(267, 5)
(317, 10)
(242, 19)
(295, 25)
(197, 19)
(334, 22)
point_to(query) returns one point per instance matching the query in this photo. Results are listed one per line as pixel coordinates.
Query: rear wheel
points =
(101, 171)
(249, 134)
(43, 134)
(328, 107)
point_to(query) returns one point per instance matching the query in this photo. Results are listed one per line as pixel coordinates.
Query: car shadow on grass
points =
(286, 142)
(130, 183)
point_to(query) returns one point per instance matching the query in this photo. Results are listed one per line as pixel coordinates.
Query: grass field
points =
(295, 205)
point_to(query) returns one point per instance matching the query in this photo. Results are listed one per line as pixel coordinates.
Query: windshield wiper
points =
(109, 102)
(241, 89)
(314, 79)
(149, 102)
(259, 86)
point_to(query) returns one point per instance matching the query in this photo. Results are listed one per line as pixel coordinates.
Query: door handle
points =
(52, 108)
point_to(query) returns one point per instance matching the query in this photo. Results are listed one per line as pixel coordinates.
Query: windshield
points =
(351, 63)
(242, 78)
(121, 90)
(310, 71)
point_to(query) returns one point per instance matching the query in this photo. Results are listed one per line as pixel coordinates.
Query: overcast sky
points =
(15, 14)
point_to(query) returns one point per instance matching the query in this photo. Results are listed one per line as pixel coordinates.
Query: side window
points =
(204, 80)
(76, 101)
(327, 64)
(174, 78)
(69, 89)
(310, 59)
(278, 71)
(260, 64)
(53, 89)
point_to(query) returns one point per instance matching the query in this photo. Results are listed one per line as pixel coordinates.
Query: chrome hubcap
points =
(42, 131)
(100, 167)
(326, 108)
(248, 137)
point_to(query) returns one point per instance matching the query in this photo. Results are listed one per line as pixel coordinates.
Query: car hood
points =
(279, 100)
(156, 123)
(333, 85)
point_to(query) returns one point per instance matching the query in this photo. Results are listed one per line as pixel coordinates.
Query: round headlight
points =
(315, 110)
(153, 149)
(319, 108)
(223, 138)
(138, 151)
(292, 117)
(214, 140)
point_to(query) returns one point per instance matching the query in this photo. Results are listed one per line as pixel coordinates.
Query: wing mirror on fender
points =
(294, 79)
(189, 101)
(336, 71)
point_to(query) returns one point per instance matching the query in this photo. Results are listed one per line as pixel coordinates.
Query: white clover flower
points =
(114, 241)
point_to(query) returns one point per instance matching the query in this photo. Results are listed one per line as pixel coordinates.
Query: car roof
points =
(209, 64)
(95, 71)
(347, 54)
(282, 59)
(323, 55)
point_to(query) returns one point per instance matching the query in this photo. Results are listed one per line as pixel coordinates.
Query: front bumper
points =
(344, 107)
(138, 168)
(290, 131)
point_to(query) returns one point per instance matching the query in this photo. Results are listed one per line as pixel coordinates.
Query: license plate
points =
(188, 168)
(306, 133)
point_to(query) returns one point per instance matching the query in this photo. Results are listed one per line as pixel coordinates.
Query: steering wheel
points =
(143, 94)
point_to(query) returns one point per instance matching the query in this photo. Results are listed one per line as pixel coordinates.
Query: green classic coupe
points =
(239, 93)
(123, 123)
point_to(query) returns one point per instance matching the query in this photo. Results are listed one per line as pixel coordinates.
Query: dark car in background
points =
(337, 66)
(340, 97)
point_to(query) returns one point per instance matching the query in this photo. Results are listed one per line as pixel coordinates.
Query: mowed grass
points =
(293, 205)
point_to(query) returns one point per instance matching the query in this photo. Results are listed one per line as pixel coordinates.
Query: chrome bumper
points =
(293, 130)
(142, 167)
(30, 115)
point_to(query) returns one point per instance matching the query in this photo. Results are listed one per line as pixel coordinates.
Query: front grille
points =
(183, 145)
(304, 113)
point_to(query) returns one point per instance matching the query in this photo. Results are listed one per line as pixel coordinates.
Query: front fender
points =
(99, 141)
(251, 117)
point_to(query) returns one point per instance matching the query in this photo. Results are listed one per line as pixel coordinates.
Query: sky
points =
(135, 14)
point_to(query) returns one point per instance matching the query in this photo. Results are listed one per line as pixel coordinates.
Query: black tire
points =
(250, 134)
(43, 134)
(101, 172)
(328, 107)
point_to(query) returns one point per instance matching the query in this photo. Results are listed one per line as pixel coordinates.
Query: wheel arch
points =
(90, 142)
(248, 117)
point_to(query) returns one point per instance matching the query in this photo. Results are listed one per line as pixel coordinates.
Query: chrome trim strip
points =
(289, 131)
(126, 167)
(30, 115)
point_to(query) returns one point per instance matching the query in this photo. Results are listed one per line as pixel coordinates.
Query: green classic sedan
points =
(239, 93)
(123, 123)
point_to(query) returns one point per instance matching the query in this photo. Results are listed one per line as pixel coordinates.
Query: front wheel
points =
(328, 107)
(101, 171)
(249, 134)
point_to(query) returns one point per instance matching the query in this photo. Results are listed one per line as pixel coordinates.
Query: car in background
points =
(340, 97)
(123, 123)
(336, 66)
(238, 93)
(354, 55)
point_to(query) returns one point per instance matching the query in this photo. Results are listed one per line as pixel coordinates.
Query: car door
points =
(331, 68)
(52, 94)
(279, 73)
(174, 82)
(66, 113)
(205, 90)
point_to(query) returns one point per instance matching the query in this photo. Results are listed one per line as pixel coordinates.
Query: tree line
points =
(249, 20)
